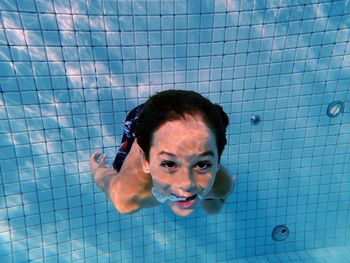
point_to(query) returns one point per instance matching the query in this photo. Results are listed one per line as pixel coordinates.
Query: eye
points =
(168, 164)
(204, 165)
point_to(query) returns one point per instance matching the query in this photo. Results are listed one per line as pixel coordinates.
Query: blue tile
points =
(51, 38)
(34, 38)
(79, 7)
(9, 6)
(11, 20)
(61, 6)
(81, 22)
(28, 6)
(96, 23)
(66, 38)
(64, 22)
(30, 21)
(7, 69)
(19, 53)
(48, 22)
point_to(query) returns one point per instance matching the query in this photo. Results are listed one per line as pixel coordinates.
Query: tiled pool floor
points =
(321, 255)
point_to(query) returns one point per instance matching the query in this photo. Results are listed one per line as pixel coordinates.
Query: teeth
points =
(171, 197)
(163, 198)
(175, 198)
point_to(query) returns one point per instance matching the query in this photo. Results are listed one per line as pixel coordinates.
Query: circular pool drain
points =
(335, 108)
(280, 233)
(255, 120)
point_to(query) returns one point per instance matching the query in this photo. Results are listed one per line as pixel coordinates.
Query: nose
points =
(185, 180)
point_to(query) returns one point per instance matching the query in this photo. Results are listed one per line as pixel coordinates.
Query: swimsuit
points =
(128, 139)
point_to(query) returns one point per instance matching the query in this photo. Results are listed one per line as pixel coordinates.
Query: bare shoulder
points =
(130, 190)
(224, 184)
(129, 197)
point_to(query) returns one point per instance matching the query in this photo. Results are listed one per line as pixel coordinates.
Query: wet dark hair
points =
(173, 105)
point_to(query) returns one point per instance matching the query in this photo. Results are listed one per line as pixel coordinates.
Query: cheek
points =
(205, 180)
(159, 178)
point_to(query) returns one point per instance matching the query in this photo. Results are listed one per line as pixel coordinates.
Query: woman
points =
(170, 154)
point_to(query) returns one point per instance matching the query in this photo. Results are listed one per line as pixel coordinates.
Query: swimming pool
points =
(71, 70)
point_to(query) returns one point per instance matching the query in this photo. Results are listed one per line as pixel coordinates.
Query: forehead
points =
(188, 135)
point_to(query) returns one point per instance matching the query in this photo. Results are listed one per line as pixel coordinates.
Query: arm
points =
(101, 172)
(222, 188)
(130, 189)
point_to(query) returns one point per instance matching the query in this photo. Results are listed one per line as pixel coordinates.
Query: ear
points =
(144, 162)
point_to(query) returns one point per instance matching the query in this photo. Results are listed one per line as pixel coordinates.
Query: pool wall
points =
(71, 70)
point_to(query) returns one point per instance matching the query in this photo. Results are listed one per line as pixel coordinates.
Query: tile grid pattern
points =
(69, 72)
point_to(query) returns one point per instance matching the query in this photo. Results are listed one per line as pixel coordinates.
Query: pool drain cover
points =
(280, 233)
(335, 108)
(255, 120)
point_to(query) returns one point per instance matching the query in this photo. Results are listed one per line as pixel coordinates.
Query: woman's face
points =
(183, 162)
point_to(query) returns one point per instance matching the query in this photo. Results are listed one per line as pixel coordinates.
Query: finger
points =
(103, 159)
(95, 156)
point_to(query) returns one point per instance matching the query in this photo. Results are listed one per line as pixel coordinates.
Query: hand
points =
(95, 163)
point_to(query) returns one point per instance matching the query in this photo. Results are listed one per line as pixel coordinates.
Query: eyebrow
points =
(206, 153)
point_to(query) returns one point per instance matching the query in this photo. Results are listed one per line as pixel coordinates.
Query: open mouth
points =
(176, 198)
(187, 199)
(186, 202)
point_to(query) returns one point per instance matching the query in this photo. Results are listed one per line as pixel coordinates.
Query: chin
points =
(180, 211)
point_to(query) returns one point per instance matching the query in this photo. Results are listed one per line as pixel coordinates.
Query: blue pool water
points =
(71, 70)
